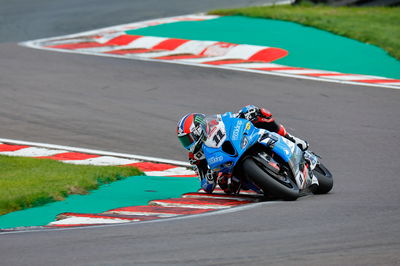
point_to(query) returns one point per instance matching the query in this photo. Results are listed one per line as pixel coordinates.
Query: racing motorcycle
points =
(263, 161)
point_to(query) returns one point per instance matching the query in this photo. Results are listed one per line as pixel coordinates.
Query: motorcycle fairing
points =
(290, 153)
(281, 146)
(239, 132)
(215, 131)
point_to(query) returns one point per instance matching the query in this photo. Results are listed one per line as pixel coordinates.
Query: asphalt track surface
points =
(132, 106)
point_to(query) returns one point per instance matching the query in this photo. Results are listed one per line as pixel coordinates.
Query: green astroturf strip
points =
(30, 182)
(133, 191)
(375, 25)
(308, 47)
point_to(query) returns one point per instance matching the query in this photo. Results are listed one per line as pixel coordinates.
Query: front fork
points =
(311, 162)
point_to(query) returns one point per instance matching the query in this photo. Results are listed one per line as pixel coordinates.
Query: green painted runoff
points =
(132, 191)
(308, 47)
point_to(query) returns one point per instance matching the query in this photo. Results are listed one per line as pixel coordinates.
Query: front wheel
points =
(325, 179)
(269, 182)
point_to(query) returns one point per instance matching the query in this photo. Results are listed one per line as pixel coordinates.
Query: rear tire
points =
(325, 179)
(258, 174)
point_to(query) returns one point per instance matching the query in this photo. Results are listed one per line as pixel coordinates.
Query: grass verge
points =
(379, 26)
(30, 182)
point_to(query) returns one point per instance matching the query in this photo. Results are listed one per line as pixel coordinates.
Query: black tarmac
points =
(132, 107)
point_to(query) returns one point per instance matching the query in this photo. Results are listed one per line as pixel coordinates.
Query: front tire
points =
(260, 175)
(325, 179)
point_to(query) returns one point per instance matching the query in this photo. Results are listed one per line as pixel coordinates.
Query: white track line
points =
(183, 217)
(113, 31)
(88, 221)
(179, 171)
(271, 73)
(102, 161)
(124, 27)
(32, 152)
(155, 213)
(96, 152)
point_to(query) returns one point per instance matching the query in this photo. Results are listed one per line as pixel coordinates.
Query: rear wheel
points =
(325, 179)
(269, 181)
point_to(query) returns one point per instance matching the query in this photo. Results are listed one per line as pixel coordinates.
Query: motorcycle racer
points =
(191, 136)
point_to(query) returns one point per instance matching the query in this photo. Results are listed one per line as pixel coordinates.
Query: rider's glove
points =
(302, 144)
(255, 114)
(228, 183)
(193, 161)
(208, 181)
(249, 112)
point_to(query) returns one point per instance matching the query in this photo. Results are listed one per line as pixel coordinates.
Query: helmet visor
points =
(186, 140)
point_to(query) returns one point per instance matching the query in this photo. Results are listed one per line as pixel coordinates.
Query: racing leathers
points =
(261, 118)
